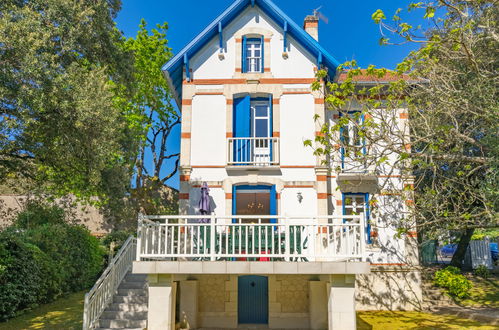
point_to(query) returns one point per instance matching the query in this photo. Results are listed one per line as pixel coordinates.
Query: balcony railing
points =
(253, 151)
(257, 238)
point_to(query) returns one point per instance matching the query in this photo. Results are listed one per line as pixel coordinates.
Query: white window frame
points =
(253, 62)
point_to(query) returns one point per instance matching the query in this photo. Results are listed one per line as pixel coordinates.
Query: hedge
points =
(44, 259)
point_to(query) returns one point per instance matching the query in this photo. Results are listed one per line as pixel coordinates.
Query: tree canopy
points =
(60, 124)
(449, 88)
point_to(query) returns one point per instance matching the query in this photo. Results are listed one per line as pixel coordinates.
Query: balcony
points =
(247, 238)
(253, 152)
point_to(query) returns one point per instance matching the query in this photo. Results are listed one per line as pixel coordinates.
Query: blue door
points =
(253, 300)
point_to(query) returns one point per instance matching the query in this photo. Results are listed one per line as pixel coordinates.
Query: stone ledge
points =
(249, 267)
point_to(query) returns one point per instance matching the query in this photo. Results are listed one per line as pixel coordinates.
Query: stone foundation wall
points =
(389, 288)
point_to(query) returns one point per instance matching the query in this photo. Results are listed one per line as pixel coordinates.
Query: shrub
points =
(118, 237)
(482, 271)
(451, 279)
(77, 254)
(27, 275)
(38, 213)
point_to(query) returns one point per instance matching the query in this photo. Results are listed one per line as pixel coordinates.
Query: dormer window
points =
(252, 55)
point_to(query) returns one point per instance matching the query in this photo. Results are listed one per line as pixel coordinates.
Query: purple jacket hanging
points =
(204, 203)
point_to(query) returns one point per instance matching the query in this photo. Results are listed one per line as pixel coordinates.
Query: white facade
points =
(243, 135)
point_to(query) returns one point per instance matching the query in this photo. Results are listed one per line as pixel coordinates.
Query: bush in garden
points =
(482, 271)
(451, 279)
(42, 258)
(38, 213)
(117, 237)
(78, 255)
(27, 275)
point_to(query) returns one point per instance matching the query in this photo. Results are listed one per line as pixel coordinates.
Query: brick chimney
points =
(311, 25)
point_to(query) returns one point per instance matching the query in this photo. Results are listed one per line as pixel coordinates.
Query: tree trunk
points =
(458, 257)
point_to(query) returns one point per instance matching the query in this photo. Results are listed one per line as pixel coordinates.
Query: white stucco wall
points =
(206, 64)
(297, 125)
(291, 206)
(208, 140)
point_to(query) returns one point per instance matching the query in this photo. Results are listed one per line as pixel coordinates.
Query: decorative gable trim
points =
(173, 70)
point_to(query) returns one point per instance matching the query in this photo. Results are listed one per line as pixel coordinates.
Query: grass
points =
(65, 313)
(485, 292)
(414, 320)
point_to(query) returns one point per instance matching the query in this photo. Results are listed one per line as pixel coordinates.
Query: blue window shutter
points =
(234, 192)
(241, 128)
(368, 225)
(271, 128)
(262, 69)
(243, 56)
(273, 203)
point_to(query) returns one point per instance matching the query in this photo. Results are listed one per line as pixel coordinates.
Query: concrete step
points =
(120, 324)
(130, 300)
(128, 307)
(133, 285)
(124, 315)
(132, 292)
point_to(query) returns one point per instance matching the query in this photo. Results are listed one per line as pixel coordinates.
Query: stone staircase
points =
(433, 297)
(129, 307)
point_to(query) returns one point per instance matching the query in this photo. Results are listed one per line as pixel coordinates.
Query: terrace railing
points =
(260, 238)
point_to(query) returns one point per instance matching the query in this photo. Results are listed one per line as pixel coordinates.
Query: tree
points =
(152, 117)
(450, 144)
(60, 124)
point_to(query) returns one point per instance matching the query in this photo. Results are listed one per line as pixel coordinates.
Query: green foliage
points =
(39, 213)
(118, 237)
(482, 271)
(481, 234)
(77, 254)
(60, 128)
(42, 258)
(27, 275)
(451, 279)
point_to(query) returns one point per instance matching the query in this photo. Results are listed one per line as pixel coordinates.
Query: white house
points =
(290, 242)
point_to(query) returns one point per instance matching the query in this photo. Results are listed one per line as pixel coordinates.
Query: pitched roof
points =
(174, 68)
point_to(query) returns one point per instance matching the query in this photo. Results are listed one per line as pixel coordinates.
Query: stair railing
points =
(101, 294)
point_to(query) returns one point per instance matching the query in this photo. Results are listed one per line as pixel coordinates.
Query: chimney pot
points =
(311, 26)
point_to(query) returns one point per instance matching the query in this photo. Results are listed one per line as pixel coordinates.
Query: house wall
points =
(289, 304)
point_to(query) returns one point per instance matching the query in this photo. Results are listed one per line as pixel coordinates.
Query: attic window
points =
(252, 60)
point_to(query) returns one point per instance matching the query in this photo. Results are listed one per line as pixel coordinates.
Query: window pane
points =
(345, 137)
(261, 128)
(257, 53)
(261, 111)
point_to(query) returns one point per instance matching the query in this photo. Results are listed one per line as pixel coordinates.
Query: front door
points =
(253, 300)
(254, 200)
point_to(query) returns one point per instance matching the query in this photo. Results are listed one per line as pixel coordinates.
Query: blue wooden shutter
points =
(271, 128)
(273, 203)
(368, 224)
(243, 56)
(262, 69)
(234, 208)
(242, 129)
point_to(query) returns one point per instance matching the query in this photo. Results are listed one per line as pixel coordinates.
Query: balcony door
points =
(254, 201)
(252, 131)
(260, 131)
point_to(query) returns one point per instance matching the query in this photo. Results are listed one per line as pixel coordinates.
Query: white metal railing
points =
(253, 151)
(329, 238)
(101, 294)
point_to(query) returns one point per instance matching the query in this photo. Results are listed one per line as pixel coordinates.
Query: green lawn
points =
(65, 313)
(414, 320)
(485, 292)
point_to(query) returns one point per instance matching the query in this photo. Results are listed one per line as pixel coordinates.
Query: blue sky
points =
(350, 34)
